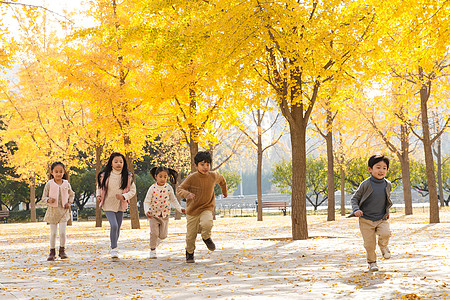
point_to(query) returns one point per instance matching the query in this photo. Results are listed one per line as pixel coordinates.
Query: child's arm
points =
(223, 185)
(174, 201)
(355, 202)
(130, 194)
(148, 201)
(45, 193)
(183, 189)
(71, 197)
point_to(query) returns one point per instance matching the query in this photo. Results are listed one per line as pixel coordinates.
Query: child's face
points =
(58, 172)
(161, 178)
(117, 163)
(203, 167)
(379, 170)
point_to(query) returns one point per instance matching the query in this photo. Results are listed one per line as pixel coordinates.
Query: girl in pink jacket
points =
(115, 188)
(59, 196)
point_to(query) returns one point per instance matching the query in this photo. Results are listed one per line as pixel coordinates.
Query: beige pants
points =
(62, 234)
(159, 228)
(370, 230)
(205, 221)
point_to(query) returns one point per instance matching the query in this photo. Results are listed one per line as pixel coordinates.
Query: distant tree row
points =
(368, 76)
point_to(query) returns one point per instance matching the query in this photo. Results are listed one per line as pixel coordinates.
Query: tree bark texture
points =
(330, 168)
(298, 200)
(33, 198)
(342, 172)
(134, 213)
(406, 176)
(426, 140)
(439, 171)
(259, 168)
(98, 166)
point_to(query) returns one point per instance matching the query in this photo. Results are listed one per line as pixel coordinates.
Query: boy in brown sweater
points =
(198, 189)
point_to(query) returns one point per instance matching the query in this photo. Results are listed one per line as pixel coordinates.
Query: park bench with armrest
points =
(4, 214)
(281, 204)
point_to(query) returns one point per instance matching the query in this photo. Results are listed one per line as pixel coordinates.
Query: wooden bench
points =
(281, 204)
(4, 214)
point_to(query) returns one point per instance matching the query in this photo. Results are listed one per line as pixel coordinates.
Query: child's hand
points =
(183, 211)
(148, 215)
(190, 196)
(358, 213)
(99, 198)
(51, 200)
(66, 206)
(120, 197)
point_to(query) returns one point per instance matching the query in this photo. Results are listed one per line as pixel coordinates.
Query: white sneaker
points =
(386, 253)
(114, 253)
(373, 267)
(152, 254)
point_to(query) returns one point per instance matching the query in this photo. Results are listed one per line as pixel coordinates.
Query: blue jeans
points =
(115, 221)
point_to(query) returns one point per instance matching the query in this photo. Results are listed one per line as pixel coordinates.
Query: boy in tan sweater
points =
(198, 189)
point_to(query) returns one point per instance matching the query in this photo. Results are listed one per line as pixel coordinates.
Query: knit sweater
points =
(111, 203)
(374, 208)
(202, 186)
(158, 199)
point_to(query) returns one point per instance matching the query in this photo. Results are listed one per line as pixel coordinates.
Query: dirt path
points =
(253, 259)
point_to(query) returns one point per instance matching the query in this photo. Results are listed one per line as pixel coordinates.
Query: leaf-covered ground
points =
(253, 260)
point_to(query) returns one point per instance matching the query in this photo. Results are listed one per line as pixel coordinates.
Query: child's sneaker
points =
(373, 267)
(210, 244)
(386, 253)
(152, 254)
(190, 257)
(114, 253)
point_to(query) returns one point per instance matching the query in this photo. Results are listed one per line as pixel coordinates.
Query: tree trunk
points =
(178, 214)
(429, 163)
(406, 176)
(406, 182)
(330, 168)
(342, 191)
(134, 213)
(259, 167)
(98, 165)
(298, 200)
(439, 171)
(33, 198)
(193, 149)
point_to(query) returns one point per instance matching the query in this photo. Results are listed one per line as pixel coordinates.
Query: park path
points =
(253, 260)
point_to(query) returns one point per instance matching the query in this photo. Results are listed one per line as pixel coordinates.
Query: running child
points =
(371, 203)
(58, 195)
(198, 189)
(157, 205)
(115, 188)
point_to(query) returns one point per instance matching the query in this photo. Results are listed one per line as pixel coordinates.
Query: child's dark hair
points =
(57, 163)
(202, 156)
(374, 159)
(104, 174)
(172, 173)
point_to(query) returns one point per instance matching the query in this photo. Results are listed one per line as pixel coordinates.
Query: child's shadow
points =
(365, 280)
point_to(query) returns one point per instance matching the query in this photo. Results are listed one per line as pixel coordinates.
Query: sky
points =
(57, 9)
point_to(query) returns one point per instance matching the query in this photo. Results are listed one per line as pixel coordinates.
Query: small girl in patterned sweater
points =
(157, 205)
